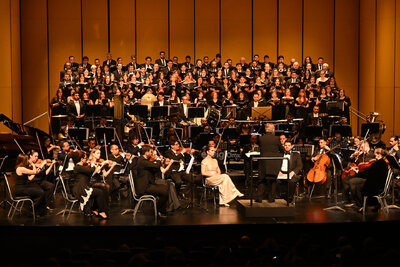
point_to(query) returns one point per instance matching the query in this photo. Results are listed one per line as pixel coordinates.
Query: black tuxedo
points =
(72, 111)
(296, 166)
(174, 173)
(260, 104)
(145, 181)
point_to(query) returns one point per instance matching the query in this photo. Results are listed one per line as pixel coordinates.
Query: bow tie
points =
(287, 153)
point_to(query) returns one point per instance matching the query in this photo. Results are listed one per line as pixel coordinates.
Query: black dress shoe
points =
(162, 214)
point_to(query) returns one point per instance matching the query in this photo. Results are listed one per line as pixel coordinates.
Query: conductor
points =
(268, 170)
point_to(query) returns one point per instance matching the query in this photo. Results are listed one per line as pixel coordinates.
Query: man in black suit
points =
(294, 170)
(145, 180)
(183, 111)
(147, 64)
(187, 63)
(266, 61)
(85, 63)
(161, 101)
(133, 63)
(76, 109)
(268, 170)
(226, 71)
(111, 63)
(74, 65)
(162, 62)
(119, 73)
(177, 170)
(257, 102)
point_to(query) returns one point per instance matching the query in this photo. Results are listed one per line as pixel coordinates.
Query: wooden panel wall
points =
(182, 29)
(236, 37)
(346, 51)
(122, 29)
(64, 35)
(385, 41)
(290, 29)
(152, 28)
(265, 27)
(35, 86)
(5, 68)
(367, 56)
(318, 24)
(396, 73)
(95, 29)
(207, 28)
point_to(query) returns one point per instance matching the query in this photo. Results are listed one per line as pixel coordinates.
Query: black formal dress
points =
(31, 189)
(89, 198)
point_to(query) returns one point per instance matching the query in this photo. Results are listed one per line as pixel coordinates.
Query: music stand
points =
(141, 111)
(313, 131)
(4, 201)
(195, 131)
(394, 165)
(265, 113)
(230, 133)
(195, 112)
(373, 128)
(93, 110)
(155, 125)
(79, 134)
(108, 132)
(149, 132)
(203, 140)
(244, 139)
(334, 107)
(336, 161)
(344, 130)
(159, 112)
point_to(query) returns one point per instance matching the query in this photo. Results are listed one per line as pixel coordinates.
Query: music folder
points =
(139, 110)
(264, 113)
(79, 134)
(159, 112)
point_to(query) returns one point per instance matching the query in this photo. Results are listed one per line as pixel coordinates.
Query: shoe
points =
(101, 216)
(240, 194)
(162, 214)
(224, 205)
(258, 200)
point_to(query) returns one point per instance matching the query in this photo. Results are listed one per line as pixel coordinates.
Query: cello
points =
(318, 174)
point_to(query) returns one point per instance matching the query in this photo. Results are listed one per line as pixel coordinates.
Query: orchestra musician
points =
(148, 166)
(210, 169)
(24, 185)
(177, 171)
(371, 181)
(321, 150)
(91, 199)
(294, 170)
(41, 178)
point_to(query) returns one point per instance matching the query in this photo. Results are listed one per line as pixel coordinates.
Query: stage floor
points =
(305, 211)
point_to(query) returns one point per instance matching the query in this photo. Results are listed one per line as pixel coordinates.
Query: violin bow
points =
(150, 141)
(105, 145)
(40, 147)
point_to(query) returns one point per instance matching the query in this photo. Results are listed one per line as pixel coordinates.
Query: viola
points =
(351, 170)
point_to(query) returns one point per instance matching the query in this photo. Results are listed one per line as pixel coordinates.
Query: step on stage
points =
(265, 209)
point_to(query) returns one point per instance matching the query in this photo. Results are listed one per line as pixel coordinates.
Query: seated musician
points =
(323, 149)
(41, 178)
(24, 186)
(147, 169)
(394, 147)
(161, 101)
(64, 129)
(92, 145)
(91, 199)
(294, 170)
(313, 118)
(97, 180)
(177, 172)
(363, 155)
(210, 169)
(49, 150)
(113, 180)
(371, 181)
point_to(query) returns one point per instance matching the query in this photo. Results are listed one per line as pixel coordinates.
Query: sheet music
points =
(255, 153)
(189, 167)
